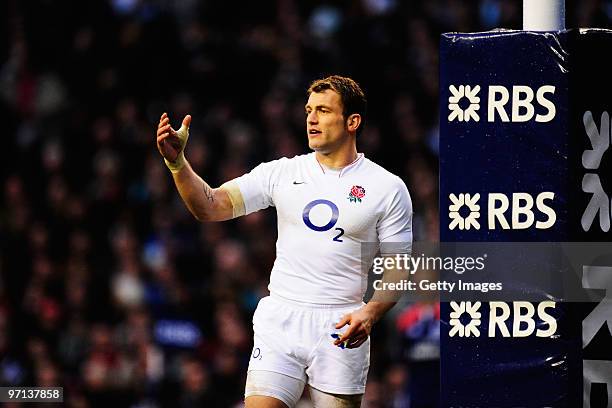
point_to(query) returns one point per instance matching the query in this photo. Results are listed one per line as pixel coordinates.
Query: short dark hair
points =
(351, 94)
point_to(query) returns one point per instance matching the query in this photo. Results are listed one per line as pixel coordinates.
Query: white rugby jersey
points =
(323, 217)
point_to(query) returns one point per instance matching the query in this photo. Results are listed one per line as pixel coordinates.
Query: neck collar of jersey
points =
(341, 170)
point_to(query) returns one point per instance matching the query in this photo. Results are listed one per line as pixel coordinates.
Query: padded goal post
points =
(525, 131)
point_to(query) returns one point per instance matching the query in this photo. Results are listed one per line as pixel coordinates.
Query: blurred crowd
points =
(108, 286)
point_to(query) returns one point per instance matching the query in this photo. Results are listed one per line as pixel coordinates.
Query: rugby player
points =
(328, 203)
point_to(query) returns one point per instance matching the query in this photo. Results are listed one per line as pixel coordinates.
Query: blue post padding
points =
(496, 156)
(485, 151)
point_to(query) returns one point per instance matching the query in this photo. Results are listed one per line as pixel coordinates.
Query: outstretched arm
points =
(204, 202)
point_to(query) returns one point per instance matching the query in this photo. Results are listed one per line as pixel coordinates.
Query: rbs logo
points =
(515, 104)
(517, 319)
(515, 212)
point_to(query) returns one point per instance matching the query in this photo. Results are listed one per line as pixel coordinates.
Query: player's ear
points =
(353, 122)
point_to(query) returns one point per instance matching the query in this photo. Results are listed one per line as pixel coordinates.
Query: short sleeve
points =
(395, 225)
(257, 186)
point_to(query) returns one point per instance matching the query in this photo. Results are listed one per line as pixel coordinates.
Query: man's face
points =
(325, 124)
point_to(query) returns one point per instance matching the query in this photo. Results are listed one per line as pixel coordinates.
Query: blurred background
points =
(108, 286)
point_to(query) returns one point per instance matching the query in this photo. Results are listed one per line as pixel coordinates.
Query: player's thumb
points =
(186, 122)
(345, 320)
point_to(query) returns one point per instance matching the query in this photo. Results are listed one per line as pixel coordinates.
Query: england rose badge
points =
(356, 194)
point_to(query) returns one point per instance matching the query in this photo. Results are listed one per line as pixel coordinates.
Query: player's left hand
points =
(360, 325)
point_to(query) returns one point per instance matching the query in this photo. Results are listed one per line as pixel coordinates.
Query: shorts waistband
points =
(324, 306)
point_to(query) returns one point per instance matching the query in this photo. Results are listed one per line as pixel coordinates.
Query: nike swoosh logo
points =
(301, 182)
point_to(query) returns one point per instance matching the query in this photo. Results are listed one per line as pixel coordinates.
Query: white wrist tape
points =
(179, 163)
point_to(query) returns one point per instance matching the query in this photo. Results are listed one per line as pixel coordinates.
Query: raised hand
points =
(171, 143)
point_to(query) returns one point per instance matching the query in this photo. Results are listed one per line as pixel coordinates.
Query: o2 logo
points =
(326, 227)
(256, 353)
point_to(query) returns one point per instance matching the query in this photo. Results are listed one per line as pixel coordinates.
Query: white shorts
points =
(296, 340)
